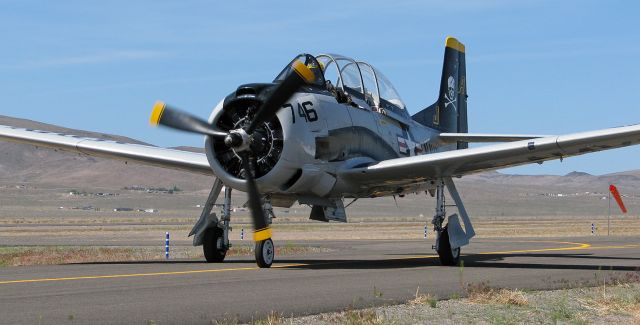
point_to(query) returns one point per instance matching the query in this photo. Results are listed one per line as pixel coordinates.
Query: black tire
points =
(265, 253)
(210, 246)
(448, 256)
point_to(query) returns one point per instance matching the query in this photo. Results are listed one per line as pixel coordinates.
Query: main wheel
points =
(448, 256)
(265, 253)
(212, 237)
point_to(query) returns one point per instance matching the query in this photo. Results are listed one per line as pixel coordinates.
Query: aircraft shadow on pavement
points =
(470, 261)
(473, 261)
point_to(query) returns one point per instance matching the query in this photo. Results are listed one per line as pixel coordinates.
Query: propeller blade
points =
(261, 231)
(168, 116)
(283, 91)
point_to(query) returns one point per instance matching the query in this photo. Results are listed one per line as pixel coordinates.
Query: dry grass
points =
(287, 249)
(606, 306)
(618, 294)
(423, 299)
(603, 304)
(483, 294)
(17, 256)
(50, 255)
(273, 318)
(150, 228)
(348, 316)
(357, 317)
(485, 305)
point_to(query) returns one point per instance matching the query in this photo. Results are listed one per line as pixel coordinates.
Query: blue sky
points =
(546, 67)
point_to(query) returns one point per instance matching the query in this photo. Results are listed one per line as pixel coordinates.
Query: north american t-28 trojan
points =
(330, 128)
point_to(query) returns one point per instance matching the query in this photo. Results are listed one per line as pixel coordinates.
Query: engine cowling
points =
(286, 159)
(236, 111)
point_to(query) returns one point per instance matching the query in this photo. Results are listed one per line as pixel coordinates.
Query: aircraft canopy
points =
(357, 78)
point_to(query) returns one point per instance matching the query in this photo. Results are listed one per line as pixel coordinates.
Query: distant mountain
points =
(572, 181)
(192, 149)
(577, 174)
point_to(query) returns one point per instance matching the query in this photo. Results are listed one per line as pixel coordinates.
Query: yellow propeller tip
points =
(156, 113)
(262, 234)
(303, 71)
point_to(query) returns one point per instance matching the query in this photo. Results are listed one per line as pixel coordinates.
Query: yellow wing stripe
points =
(453, 43)
(303, 71)
(156, 114)
(262, 234)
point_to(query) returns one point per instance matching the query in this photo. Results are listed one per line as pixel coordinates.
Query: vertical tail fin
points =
(449, 113)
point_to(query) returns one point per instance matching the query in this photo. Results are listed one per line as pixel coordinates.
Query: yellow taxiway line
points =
(115, 276)
(575, 246)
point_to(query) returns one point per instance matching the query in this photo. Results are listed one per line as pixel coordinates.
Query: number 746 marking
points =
(305, 110)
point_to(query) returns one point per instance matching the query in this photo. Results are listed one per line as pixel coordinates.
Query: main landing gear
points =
(451, 237)
(213, 245)
(448, 256)
(213, 234)
(216, 238)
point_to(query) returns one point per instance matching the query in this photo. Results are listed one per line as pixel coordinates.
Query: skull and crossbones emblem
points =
(450, 95)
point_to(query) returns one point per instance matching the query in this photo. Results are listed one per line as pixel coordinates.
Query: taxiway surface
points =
(354, 273)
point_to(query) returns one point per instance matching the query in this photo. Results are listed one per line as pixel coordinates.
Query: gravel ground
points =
(606, 304)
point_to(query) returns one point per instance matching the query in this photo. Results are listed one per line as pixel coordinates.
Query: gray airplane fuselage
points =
(322, 136)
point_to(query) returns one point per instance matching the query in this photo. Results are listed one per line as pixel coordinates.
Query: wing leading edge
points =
(468, 161)
(149, 155)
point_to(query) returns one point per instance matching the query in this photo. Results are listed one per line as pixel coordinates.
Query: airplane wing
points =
(484, 137)
(149, 155)
(467, 161)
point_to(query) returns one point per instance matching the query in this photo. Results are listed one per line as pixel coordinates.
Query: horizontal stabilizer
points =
(485, 137)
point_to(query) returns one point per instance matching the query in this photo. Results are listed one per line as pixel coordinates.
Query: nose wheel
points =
(265, 253)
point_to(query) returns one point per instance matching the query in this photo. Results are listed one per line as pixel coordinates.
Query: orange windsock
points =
(616, 195)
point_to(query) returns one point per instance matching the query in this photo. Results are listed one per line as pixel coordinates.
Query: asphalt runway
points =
(354, 273)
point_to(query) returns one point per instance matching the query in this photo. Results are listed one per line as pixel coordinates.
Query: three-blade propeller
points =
(240, 140)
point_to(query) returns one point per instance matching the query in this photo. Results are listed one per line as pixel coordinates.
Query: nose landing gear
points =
(213, 234)
(265, 253)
